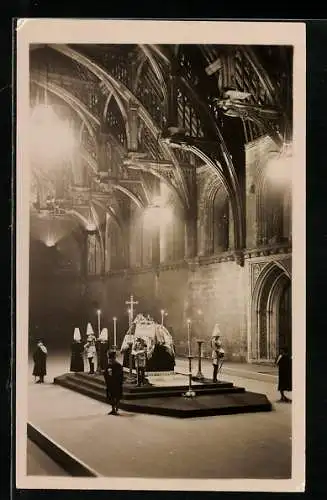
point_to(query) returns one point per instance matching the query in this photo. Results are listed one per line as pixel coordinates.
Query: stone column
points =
(191, 229)
(84, 257)
(156, 246)
(155, 231)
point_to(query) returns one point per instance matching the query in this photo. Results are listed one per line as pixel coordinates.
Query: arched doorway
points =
(271, 314)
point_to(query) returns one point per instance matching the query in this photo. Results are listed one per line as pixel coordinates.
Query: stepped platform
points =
(164, 395)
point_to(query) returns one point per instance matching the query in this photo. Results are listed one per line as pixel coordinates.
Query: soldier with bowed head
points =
(217, 352)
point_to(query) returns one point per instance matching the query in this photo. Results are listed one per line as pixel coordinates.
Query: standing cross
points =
(131, 303)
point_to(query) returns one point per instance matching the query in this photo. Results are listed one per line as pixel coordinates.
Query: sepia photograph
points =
(160, 338)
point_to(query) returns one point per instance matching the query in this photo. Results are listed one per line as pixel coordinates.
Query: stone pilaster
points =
(84, 255)
(191, 235)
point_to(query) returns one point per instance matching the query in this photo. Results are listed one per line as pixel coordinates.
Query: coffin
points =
(160, 346)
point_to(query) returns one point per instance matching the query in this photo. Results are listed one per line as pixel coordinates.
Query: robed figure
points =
(102, 346)
(77, 351)
(127, 345)
(113, 376)
(217, 352)
(139, 351)
(284, 363)
(40, 362)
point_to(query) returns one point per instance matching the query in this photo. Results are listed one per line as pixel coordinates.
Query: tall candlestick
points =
(190, 393)
(189, 336)
(99, 322)
(199, 375)
(115, 331)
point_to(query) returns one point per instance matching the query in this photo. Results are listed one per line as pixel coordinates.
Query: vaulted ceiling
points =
(148, 112)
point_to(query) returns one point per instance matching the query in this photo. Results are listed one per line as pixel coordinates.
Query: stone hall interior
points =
(161, 177)
(162, 172)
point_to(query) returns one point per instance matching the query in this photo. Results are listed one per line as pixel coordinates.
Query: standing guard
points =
(218, 352)
(139, 351)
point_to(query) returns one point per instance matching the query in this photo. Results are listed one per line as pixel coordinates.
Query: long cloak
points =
(126, 349)
(113, 377)
(77, 360)
(284, 363)
(40, 362)
(161, 360)
(102, 349)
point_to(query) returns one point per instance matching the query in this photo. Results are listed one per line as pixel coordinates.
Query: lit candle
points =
(162, 316)
(99, 322)
(115, 331)
(189, 336)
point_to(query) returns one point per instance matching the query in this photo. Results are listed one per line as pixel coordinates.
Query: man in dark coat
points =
(113, 376)
(40, 362)
(284, 364)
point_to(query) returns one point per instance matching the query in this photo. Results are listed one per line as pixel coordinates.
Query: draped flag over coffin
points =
(159, 345)
(154, 335)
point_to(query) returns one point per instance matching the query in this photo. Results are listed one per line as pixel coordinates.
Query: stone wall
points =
(208, 289)
(205, 294)
(56, 306)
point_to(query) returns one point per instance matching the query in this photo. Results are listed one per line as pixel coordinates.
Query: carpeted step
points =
(96, 384)
(98, 381)
(173, 392)
(210, 399)
(98, 394)
(90, 381)
(163, 389)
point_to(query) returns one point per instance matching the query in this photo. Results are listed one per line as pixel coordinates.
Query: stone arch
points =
(127, 192)
(163, 177)
(223, 163)
(114, 121)
(89, 123)
(99, 73)
(267, 332)
(81, 110)
(111, 223)
(214, 199)
(233, 193)
(124, 98)
(155, 68)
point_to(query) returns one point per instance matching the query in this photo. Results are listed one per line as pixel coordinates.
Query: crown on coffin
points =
(140, 319)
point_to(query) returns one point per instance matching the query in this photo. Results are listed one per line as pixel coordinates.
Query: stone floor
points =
(252, 446)
(40, 464)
